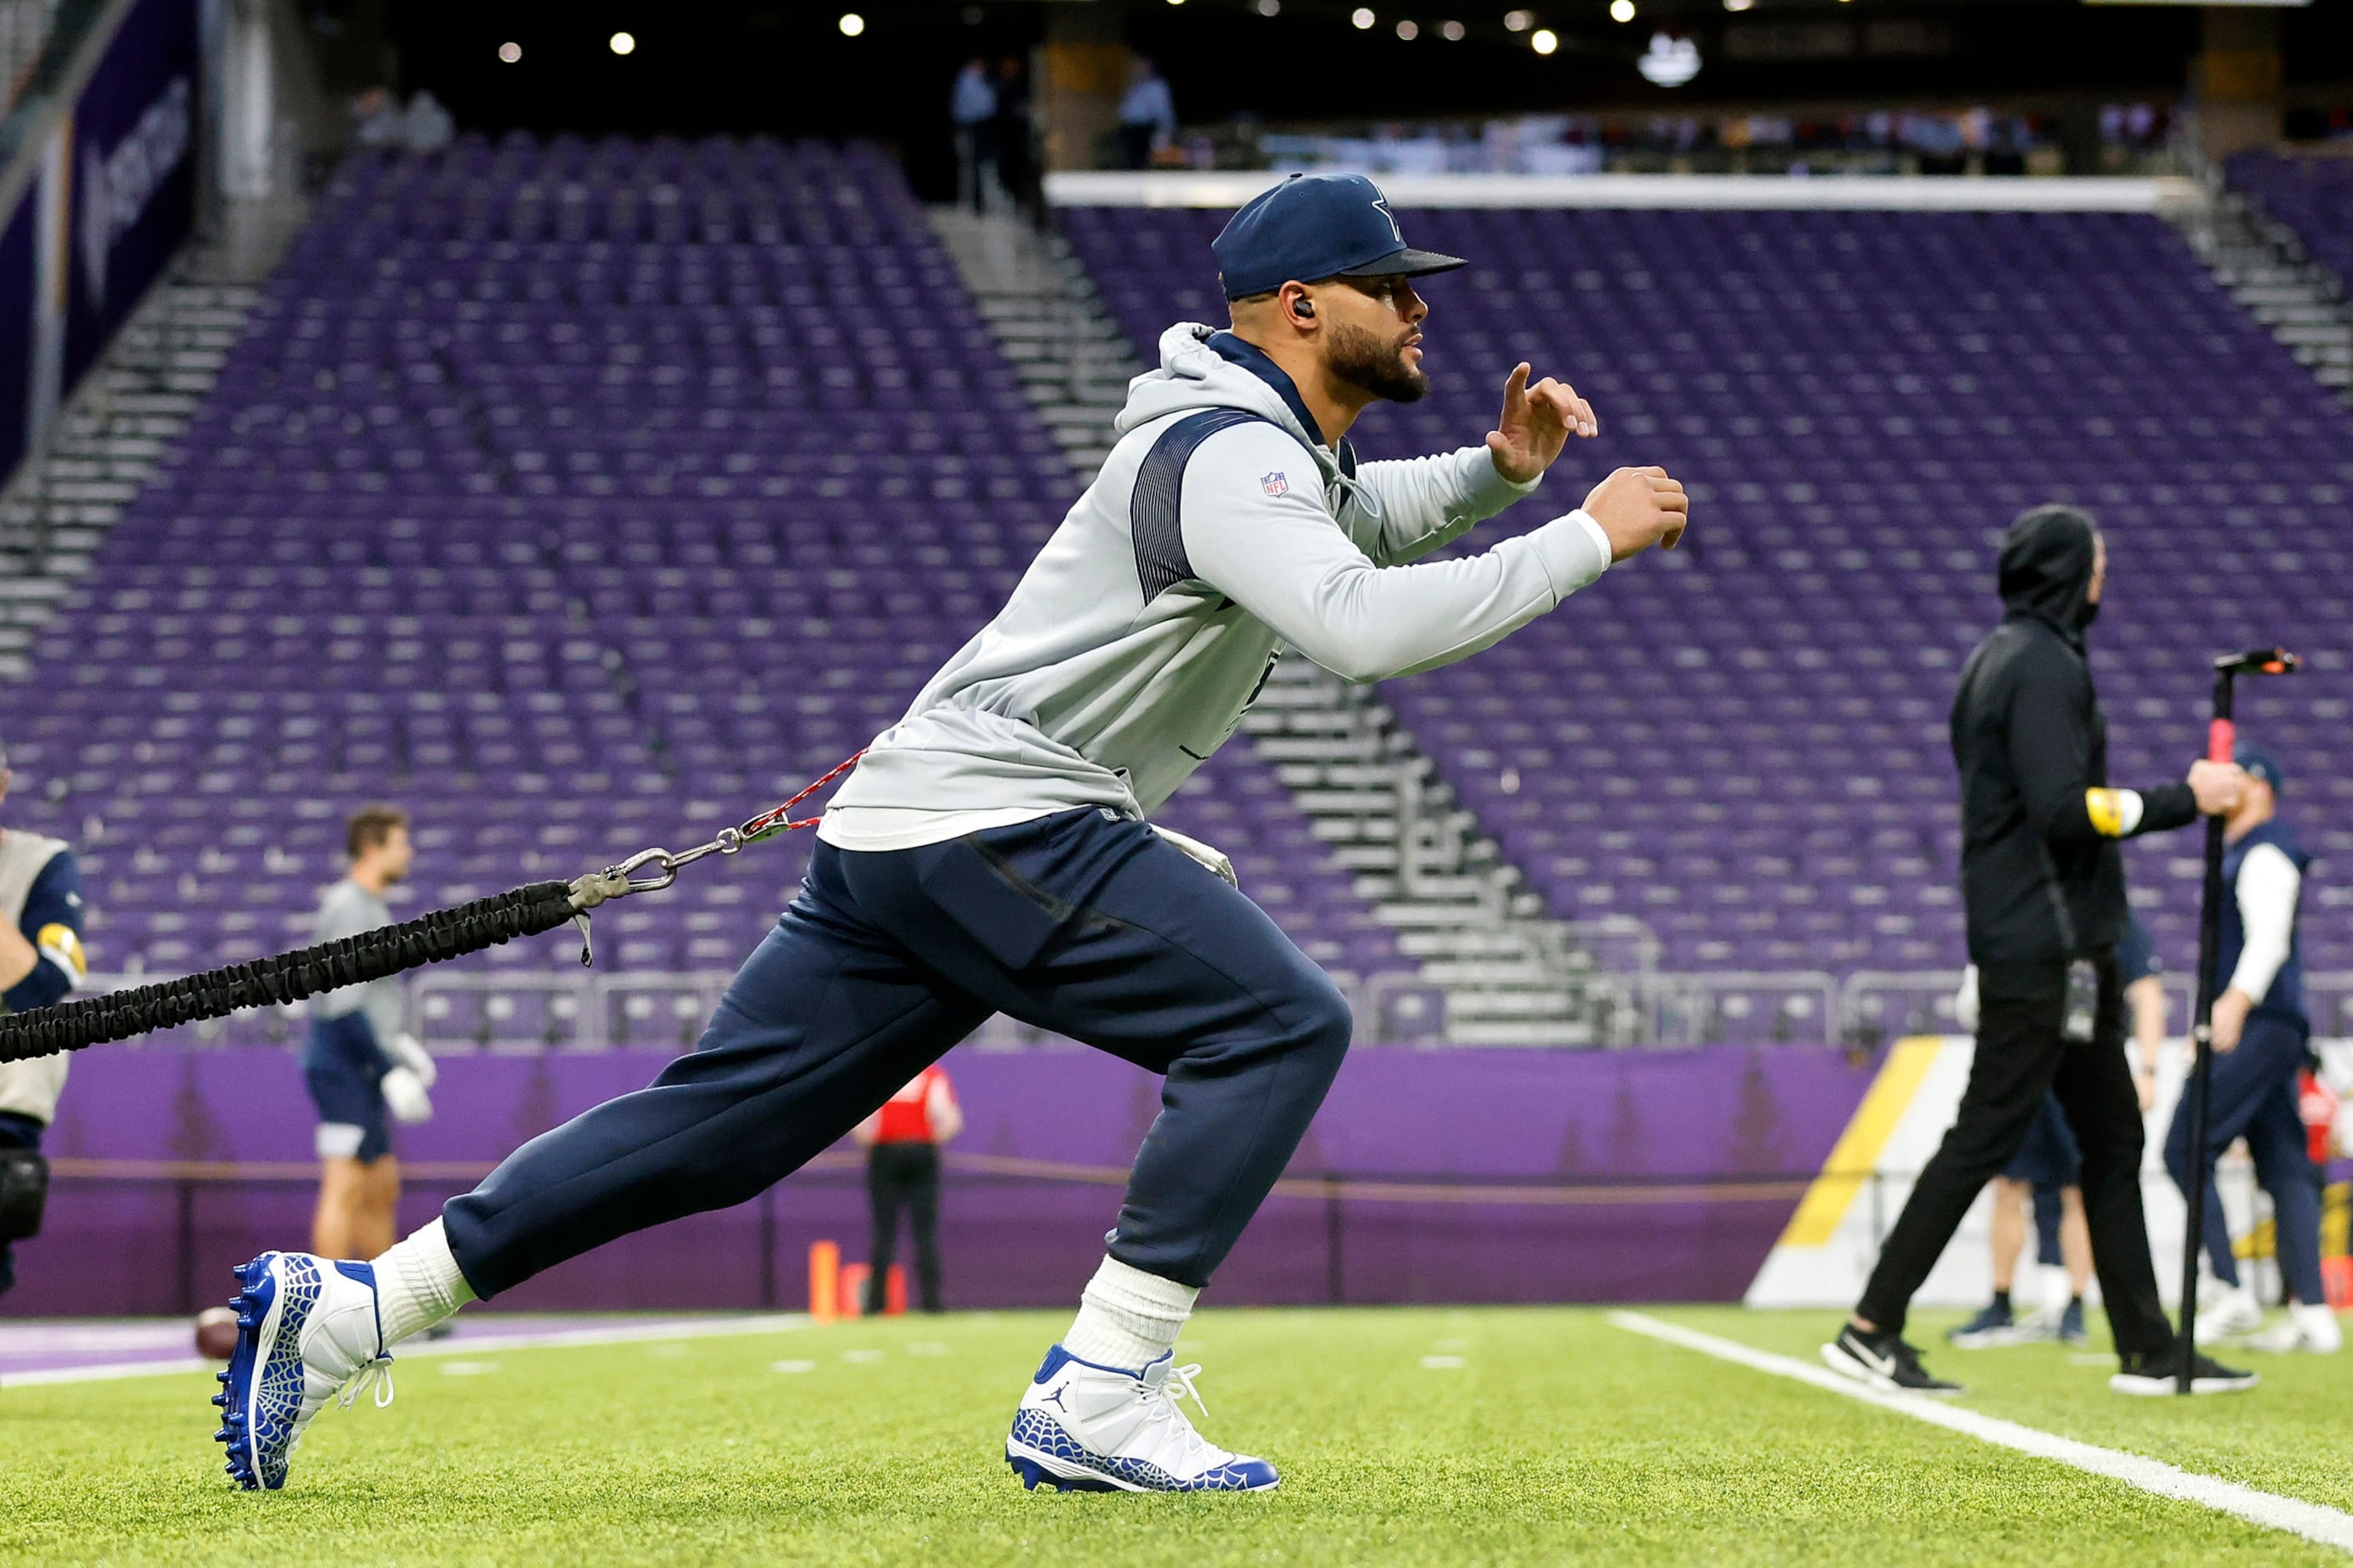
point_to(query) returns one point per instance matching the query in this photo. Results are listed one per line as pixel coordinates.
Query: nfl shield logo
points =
(1275, 484)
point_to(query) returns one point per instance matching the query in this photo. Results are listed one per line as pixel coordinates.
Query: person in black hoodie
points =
(2044, 886)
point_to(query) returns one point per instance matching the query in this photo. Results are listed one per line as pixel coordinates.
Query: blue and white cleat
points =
(307, 1330)
(1088, 1428)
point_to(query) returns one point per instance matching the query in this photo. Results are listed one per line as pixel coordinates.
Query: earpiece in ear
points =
(1305, 309)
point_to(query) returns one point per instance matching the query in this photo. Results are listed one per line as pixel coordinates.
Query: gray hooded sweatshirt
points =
(1134, 643)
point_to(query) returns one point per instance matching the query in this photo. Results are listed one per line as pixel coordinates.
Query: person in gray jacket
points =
(362, 1067)
(993, 852)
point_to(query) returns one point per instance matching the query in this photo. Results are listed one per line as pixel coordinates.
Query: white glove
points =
(405, 1097)
(408, 1051)
(1965, 1001)
(1201, 854)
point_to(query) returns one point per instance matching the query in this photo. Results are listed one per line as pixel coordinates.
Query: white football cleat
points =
(307, 1330)
(1089, 1428)
(2234, 1312)
(2311, 1329)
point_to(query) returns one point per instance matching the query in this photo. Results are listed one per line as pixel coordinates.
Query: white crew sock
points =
(1128, 1319)
(418, 1284)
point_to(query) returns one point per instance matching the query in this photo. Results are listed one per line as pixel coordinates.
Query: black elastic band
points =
(288, 977)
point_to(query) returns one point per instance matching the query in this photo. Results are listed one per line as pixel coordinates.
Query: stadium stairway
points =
(2264, 265)
(131, 408)
(1510, 976)
(1507, 974)
(1073, 360)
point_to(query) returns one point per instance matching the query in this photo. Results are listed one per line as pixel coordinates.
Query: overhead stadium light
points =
(1270, 8)
(623, 42)
(1669, 61)
(1451, 31)
(1543, 40)
(1409, 31)
(1621, 10)
(1519, 21)
(1738, 4)
(851, 23)
(509, 52)
(1363, 17)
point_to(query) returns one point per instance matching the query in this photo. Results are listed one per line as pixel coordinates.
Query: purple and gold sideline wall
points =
(96, 205)
(1443, 1175)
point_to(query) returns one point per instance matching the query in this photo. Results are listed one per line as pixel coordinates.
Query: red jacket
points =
(910, 1116)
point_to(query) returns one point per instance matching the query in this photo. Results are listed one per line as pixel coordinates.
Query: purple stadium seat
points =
(578, 495)
(1744, 743)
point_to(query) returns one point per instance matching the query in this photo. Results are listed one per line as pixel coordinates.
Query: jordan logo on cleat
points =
(1055, 1399)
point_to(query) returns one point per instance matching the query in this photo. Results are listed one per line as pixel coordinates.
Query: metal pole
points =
(2199, 1086)
(768, 1250)
(185, 1205)
(1335, 1271)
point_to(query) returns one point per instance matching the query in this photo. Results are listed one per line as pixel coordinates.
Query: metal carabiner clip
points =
(670, 864)
(729, 840)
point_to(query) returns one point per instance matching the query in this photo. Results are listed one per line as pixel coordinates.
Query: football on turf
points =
(216, 1332)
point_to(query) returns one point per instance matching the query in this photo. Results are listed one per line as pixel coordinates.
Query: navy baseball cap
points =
(1314, 226)
(2260, 762)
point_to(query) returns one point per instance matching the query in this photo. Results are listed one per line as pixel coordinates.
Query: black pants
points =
(15, 1133)
(904, 1176)
(1083, 923)
(2023, 1051)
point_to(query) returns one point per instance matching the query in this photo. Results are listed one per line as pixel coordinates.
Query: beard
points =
(1376, 366)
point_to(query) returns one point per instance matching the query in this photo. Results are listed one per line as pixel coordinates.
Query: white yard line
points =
(615, 1334)
(2312, 1521)
(107, 1372)
(461, 1344)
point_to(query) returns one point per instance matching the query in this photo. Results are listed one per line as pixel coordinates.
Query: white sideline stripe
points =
(2312, 1521)
(617, 1335)
(106, 1374)
(1851, 193)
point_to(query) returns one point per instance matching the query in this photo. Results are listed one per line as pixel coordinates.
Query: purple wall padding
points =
(1728, 1135)
(18, 309)
(134, 180)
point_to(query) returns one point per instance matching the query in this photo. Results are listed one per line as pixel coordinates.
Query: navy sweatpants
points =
(1084, 923)
(2254, 1097)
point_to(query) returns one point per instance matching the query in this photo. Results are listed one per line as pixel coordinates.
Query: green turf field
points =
(1443, 1436)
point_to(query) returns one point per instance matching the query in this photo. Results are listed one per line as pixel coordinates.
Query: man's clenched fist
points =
(2217, 786)
(1638, 508)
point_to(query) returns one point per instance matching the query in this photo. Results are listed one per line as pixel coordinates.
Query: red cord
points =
(780, 820)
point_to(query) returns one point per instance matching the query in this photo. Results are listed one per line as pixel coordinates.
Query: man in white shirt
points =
(971, 107)
(2261, 1042)
(41, 962)
(992, 852)
(1147, 115)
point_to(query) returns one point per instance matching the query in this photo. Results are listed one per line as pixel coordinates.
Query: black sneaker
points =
(1991, 1327)
(1882, 1360)
(2158, 1372)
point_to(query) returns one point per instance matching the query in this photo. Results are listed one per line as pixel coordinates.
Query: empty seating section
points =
(578, 497)
(2311, 195)
(1743, 744)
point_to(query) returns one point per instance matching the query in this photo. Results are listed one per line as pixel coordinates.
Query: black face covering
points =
(2046, 568)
